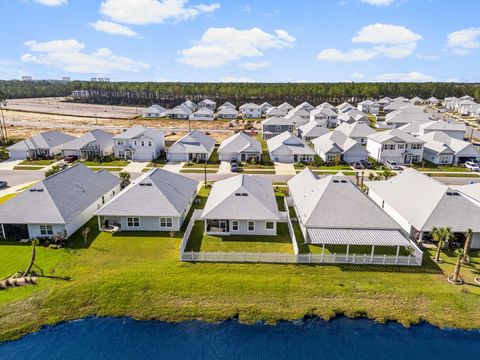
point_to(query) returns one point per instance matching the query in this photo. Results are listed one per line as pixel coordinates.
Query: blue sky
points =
(256, 40)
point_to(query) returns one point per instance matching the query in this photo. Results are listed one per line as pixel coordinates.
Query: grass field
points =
(28, 167)
(113, 169)
(118, 163)
(139, 275)
(37, 162)
(198, 171)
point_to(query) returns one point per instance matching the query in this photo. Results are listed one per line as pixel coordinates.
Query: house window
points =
(251, 226)
(120, 142)
(235, 225)
(415, 158)
(166, 222)
(278, 128)
(401, 146)
(149, 143)
(133, 221)
(444, 159)
(121, 154)
(46, 229)
(269, 225)
(135, 143)
(416, 146)
(391, 147)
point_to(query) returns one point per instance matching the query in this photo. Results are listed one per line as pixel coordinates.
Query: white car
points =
(392, 165)
(472, 166)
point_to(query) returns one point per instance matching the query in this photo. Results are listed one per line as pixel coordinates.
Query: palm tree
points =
(85, 232)
(32, 258)
(125, 176)
(440, 236)
(466, 248)
(387, 174)
(455, 277)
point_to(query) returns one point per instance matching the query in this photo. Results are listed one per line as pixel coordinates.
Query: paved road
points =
(17, 177)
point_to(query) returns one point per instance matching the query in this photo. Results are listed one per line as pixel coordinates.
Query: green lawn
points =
(279, 196)
(199, 166)
(139, 275)
(428, 166)
(239, 243)
(198, 171)
(118, 163)
(113, 169)
(253, 172)
(214, 157)
(37, 162)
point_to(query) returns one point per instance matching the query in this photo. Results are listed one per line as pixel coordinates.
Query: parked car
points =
(392, 165)
(472, 166)
(70, 158)
(233, 166)
(357, 165)
(366, 164)
(3, 184)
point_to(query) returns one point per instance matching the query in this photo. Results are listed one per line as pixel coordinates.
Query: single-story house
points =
(227, 105)
(311, 130)
(158, 200)
(432, 101)
(154, 111)
(227, 113)
(356, 131)
(335, 146)
(61, 203)
(300, 112)
(139, 143)
(441, 149)
(369, 107)
(202, 114)
(95, 144)
(345, 107)
(305, 105)
(287, 148)
(420, 203)
(179, 112)
(265, 107)
(195, 146)
(297, 120)
(406, 115)
(191, 105)
(44, 145)
(454, 130)
(240, 147)
(352, 116)
(276, 125)
(333, 211)
(241, 205)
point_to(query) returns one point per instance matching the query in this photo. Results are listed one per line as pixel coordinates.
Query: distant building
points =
(66, 78)
(26, 78)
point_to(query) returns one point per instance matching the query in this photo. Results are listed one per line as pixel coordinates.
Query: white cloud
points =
(255, 65)
(221, 46)
(68, 56)
(235, 79)
(51, 2)
(357, 76)
(392, 41)
(142, 12)
(379, 2)
(112, 28)
(245, 8)
(463, 42)
(404, 77)
(427, 57)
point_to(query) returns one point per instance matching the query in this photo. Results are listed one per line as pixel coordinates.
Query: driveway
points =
(135, 167)
(284, 169)
(224, 168)
(173, 166)
(9, 164)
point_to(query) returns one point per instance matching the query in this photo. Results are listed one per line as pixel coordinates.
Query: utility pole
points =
(205, 173)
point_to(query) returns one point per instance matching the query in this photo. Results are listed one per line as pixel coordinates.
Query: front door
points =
(407, 159)
(223, 224)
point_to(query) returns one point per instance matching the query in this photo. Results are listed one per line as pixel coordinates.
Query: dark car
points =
(3, 184)
(357, 165)
(70, 158)
(366, 164)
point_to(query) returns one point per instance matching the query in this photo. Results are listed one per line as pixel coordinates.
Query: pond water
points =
(123, 338)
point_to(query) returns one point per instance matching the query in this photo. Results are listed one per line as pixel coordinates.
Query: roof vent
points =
(343, 181)
(453, 193)
(336, 181)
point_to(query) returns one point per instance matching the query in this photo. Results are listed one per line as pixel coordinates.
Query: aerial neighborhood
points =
(325, 209)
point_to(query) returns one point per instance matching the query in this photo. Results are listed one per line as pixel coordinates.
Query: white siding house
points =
(395, 145)
(250, 111)
(139, 143)
(335, 146)
(44, 145)
(240, 147)
(193, 147)
(287, 148)
(95, 144)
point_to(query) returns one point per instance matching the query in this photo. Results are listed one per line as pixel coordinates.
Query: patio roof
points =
(357, 237)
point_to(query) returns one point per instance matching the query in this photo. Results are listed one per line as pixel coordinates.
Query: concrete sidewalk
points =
(224, 168)
(284, 169)
(173, 167)
(9, 164)
(135, 167)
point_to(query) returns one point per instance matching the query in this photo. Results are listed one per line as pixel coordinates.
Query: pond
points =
(124, 338)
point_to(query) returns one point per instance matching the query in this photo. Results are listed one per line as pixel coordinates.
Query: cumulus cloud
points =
(140, 12)
(357, 76)
(68, 55)
(221, 46)
(51, 2)
(404, 77)
(112, 28)
(255, 65)
(463, 42)
(392, 41)
(379, 2)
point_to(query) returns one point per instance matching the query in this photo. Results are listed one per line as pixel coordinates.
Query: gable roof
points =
(441, 125)
(355, 130)
(313, 129)
(335, 202)
(285, 106)
(288, 143)
(156, 193)
(249, 106)
(323, 111)
(238, 143)
(208, 102)
(137, 132)
(434, 203)
(193, 142)
(395, 135)
(58, 198)
(242, 197)
(100, 137)
(45, 140)
(227, 111)
(275, 111)
(438, 141)
(203, 111)
(336, 140)
(278, 120)
(155, 108)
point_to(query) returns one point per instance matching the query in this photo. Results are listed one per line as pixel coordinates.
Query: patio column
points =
(420, 237)
(3, 232)
(373, 252)
(348, 250)
(398, 251)
(99, 223)
(323, 246)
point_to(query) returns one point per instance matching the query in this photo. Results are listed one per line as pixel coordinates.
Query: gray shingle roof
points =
(394, 134)
(239, 143)
(288, 143)
(100, 137)
(277, 120)
(193, 142)
(45, 140)
(168, 195)
(227, 200)
(334, 202)
(62, 196)
(355, 130)
(137, 132)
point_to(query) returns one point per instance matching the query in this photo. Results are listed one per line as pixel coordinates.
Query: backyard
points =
(139, 275)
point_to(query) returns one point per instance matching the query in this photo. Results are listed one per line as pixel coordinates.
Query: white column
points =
(373, 252)
(323, 247)
(348, 250)
(3, 232)
(99, 223)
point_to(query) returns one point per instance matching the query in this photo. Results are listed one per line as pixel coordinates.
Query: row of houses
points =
(464, 105)
(330, 210)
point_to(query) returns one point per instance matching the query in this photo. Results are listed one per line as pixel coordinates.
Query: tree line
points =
(172, 94)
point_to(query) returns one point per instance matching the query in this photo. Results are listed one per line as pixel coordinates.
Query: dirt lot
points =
(54, 105)
(24, 124)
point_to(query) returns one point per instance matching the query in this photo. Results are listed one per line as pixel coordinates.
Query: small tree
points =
(85, 232)
(53, 170)
(387, 174)
(455, 277)
(32, 258)
(441, 236)
(466, 248)
(125, 176)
